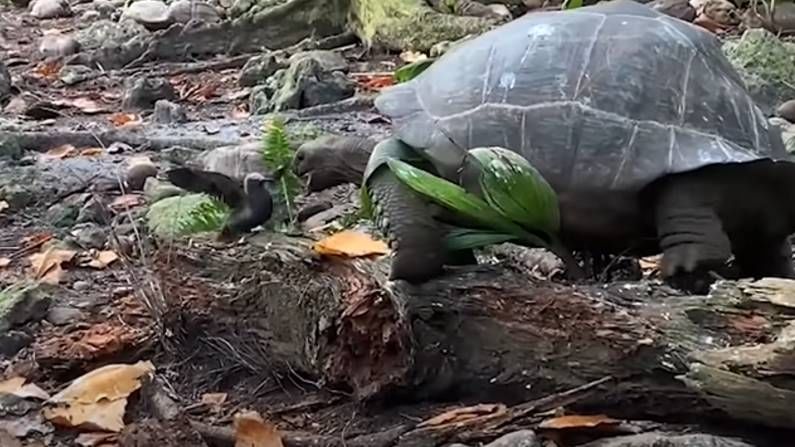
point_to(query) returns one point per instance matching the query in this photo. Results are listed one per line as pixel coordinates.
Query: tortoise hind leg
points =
(690, 233)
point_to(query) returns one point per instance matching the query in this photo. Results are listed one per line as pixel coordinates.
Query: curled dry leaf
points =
(99, 259)
(92, 152)
(126, 201)
(577, 421)
(252, 431)
(125, 119)
(214, 398)
(97, 400)
(60, 152)
(464, 414)
(350, 244)
(47, 265)
(18, 387)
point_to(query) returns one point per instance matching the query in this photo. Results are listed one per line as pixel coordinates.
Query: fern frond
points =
(206, 216)
(278, 157)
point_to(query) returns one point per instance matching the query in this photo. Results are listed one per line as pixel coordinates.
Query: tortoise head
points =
(332, 160)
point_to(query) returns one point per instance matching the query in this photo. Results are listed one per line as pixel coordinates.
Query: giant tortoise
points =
(636, 119)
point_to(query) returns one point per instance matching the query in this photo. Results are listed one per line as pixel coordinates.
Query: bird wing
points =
(227, 189)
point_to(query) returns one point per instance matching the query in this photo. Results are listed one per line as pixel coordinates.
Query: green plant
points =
(206, 216)
(278, 156)
(571, 4)
(412, 70)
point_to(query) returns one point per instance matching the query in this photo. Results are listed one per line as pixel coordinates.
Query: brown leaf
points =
(61, 152)
(463, 414)
(577, 421)
(97, 400)
(48, 70)
(92, 152)
(125, 119)
(126, 201)
(100, 259)
(18, 387)
(88, 106)
(214, 398)
(374, 81)
(47, 265)
(252, 431)
(350, 244)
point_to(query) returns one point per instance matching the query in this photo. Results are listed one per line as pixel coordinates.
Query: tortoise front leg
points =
(690, 234)
(416, 238)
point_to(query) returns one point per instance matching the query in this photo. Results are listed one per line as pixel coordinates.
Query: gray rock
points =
(50, 9)
(90, 16)
(328, 60)
(179, 155)
(11, 342)
(167, 112)
(73, 74)
(89, 235)
(787, 110)
(60, 215)
(258, 69)
(117, 147)
(63, 315)
(105, 8)
(81, 286)
(55, 45)
(142, 93)
(20, 304)
(93, 211)
(767, 66)
(259, 99)
(18, 196)
(521, 438)
(106, 33)
(152, 14)
(183, 11)
(5, 83)
(668, 440)
(235, 161)
(305, 84)
(156, 190)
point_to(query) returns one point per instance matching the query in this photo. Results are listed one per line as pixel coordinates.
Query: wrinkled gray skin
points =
(332, 160)
(636, 119)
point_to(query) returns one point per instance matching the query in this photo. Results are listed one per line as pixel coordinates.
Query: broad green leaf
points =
(412, 70)
(467, 238)
(454, 197)
(572, 4)
(517, 190)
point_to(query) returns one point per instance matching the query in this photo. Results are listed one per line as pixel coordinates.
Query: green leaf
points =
(513, 187)
(454, 197)
(572, 4)
(278, 156)
(468, 238)
(412, 70)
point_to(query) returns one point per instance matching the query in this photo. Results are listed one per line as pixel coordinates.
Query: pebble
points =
(89, 235)
(787, 110)
(81, 286)
(167, 112)
(63, 315)
(183, 11)
(137, 174)
(50, 9)
(153, 14)
(57, 45)
(144, 92)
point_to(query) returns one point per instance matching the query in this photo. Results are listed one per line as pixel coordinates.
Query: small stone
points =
(50, 9)
(11, 342)
(183, 11)
(63, 315)
(259, 100)
(90, 16)
(138, 173)
(81, 286)
(143, 93)
(153, 14)
(93, 211)
(60, 215)
(89, 235)
(105, 8)
(167, 112)
(787, 110)
(179, 154)
(328, 60)
(55, 45)
(258, 69)
(156, 190)
(117, 147)
(305, 84)
(107, 33)
(73, 74)
(22, 305)
(17, 196)
(5, 83)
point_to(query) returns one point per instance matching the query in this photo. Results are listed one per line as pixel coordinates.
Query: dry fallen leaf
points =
(48, 70)
(577, 421)
(412, 56)
(100, 259)
(214, 398)
(97, 400)
(126, 201)
(92, 152)
(47, 265)
(252, 431)
(350, 244)
(61, 152)
(374, 81)
(125, 119)
(4, 262)
(88, 106)
(96, 439)
(464, 414)
(18, 387)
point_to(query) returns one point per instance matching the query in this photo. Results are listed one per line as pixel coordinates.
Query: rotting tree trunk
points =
(494, 334)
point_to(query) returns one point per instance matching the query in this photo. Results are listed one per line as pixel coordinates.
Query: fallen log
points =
(492, 333)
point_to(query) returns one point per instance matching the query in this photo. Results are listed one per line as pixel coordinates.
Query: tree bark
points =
(496, 334)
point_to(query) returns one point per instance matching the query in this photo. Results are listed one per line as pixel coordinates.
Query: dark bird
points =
(250, 200)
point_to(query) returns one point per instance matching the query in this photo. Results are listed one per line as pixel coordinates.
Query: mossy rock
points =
(767, 66)
(170, 217)
(20, 303)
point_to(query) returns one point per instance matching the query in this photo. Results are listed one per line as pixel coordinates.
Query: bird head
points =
(255, 180)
